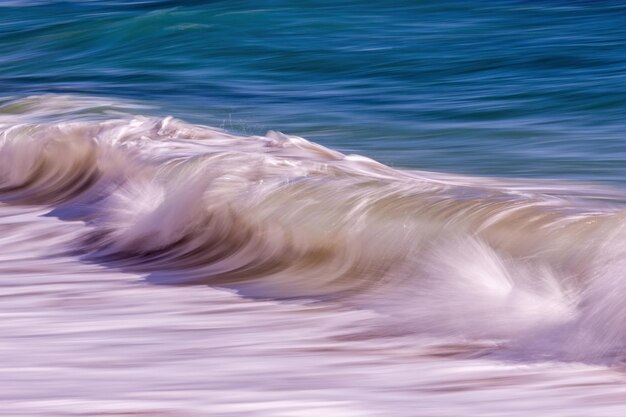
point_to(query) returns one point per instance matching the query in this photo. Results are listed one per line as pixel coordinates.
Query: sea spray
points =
(280, 217)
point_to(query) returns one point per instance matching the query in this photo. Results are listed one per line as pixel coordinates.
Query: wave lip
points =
(278, 216)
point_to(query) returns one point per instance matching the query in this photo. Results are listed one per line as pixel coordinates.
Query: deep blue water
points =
(503, 88)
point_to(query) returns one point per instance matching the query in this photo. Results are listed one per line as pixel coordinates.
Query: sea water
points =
(312, 208)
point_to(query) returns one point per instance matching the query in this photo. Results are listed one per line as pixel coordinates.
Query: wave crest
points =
(278, 216)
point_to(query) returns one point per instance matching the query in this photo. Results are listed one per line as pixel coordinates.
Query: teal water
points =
(207, 264)
(499, 88)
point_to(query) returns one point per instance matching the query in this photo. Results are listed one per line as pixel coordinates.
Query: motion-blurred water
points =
(312, 208)
(504, 88)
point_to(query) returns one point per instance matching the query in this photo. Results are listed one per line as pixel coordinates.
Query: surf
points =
(533, 265)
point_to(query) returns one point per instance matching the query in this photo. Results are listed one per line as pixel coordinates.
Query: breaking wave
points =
(535, 265)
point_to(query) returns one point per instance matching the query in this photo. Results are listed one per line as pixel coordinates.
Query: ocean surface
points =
(282, 208)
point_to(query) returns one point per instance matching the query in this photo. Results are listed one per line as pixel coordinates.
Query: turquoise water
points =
(498, 88)
(478, 271)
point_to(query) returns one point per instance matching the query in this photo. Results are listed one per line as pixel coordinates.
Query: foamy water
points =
(154, 267)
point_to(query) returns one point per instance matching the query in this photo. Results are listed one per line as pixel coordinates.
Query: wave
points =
(537, 265)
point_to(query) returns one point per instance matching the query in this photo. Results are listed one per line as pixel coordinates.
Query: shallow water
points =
(438, 231)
